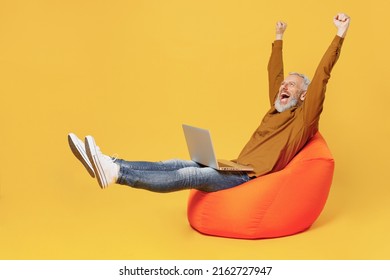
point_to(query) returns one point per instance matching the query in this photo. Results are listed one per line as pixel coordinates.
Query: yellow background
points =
(130, 73)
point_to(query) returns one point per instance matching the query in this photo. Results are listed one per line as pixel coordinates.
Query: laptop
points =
(201, 150)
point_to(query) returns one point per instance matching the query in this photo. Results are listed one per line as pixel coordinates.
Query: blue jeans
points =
(174, 175)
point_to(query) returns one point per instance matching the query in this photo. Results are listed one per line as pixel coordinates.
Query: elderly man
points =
(296, 105)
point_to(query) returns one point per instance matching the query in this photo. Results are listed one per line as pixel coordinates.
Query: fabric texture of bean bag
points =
(274, 205)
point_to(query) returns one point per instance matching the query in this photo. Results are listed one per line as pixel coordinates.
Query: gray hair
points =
(306, 80)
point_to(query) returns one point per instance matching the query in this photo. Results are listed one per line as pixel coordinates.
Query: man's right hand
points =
(341, 21)
(280, 28)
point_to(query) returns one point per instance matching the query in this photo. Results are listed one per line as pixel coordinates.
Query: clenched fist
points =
(280, 28)
(341, 21)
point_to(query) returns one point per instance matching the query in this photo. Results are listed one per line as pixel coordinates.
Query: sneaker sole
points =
(80, 154)
(90, 148)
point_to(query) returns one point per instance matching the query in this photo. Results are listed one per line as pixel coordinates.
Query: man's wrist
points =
(341, 32)
(279, 37)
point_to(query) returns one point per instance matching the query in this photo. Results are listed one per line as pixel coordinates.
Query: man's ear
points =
(303, 95)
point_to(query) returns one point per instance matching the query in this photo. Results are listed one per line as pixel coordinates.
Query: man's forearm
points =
(275, 69)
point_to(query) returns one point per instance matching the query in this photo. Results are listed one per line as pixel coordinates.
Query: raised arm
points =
(315, 96)
(275, 64)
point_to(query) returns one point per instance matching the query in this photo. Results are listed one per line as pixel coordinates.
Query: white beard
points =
(280, 108)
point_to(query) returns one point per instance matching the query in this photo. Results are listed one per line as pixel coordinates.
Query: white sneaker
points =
(78, 148)
(106, 170)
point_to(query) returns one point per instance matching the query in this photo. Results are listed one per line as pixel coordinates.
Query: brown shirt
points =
(280, 136)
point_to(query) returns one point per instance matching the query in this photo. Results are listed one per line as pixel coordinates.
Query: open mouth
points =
(284, 96)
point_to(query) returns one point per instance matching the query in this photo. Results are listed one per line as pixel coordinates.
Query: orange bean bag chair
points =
(274, 205)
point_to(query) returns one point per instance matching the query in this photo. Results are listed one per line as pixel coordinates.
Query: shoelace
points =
(114, 157)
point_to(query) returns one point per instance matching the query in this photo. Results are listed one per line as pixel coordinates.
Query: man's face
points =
(290, 93)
